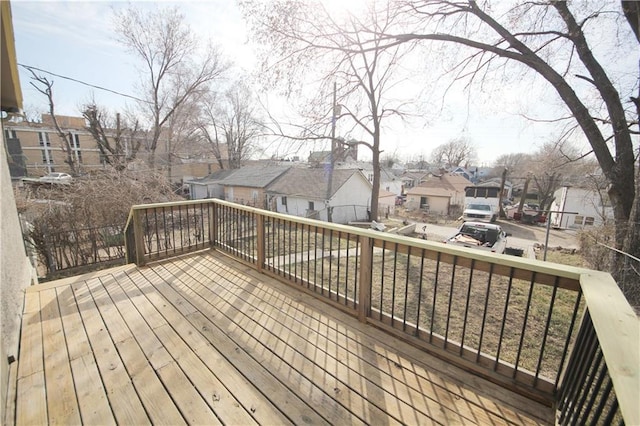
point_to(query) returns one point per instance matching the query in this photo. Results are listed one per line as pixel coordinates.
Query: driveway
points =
(522, 236)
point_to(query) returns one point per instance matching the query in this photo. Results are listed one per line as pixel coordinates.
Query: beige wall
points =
(437, 205)
(33, 151)
(16, 273)
(245, 195)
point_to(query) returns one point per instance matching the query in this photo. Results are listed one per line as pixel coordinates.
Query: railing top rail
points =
(172, 204)
(618, 330)
(541, 267)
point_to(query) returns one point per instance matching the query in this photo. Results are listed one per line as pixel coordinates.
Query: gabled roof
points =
(254, 176)
(451, 183)
(386, 194)
(215, 177)
(431, 191)
(312, 183)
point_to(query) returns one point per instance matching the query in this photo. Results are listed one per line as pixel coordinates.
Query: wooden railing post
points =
(213, 226)
(364, 282)
(260, 237)
(138, 235)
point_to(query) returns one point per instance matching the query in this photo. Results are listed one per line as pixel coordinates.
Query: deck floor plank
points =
(31, 404)
(259, 342)
(204, 339)
(62, 405)
(353, 389)
(91, 394)
(464, 392)
(125, 327)
(252, 400)
(123, 399)
(360, 365)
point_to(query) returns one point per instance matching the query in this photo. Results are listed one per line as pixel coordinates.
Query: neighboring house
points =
(306, 192)
(386, 202)
(437, 194)
(209, 186)
(248, 185)
(581, 208)
(507, 193)
(389, 181)
(412, 179)
(461, 171)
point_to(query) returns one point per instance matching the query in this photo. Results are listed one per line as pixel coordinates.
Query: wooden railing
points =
(540, 329)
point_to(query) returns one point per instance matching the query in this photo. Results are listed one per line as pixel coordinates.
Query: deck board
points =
(205, 339)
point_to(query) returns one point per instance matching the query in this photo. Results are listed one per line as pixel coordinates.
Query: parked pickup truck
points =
(484, 212)
(480, 235)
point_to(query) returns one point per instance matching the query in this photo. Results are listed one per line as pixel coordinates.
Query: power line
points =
(30, 68)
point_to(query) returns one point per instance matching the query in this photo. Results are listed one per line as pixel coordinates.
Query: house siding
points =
(350, 202)
(16, 273)
(584, 202)
(248, 196)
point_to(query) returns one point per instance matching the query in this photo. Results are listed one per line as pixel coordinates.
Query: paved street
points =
(522, 236)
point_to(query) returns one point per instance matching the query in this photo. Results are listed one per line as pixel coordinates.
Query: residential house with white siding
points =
(344, 194)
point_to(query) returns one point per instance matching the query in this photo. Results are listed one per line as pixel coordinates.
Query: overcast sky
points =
(76, 39)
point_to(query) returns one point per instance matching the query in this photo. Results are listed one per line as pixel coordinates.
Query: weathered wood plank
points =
(62, 405)
(160, 407)
(324, 390)
(192, 406)
(31, 408)
(72, 322)
(92, 397)
(253, 372)
(220, 398)
(125, 403)
(205, 339)
(445, 391)
(31, 355)
(411, 407)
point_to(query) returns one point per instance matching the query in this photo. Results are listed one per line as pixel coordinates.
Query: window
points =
(45, 143)
(43, 138)
(588, 221)
(10, 134)
(578, 219)
(75, 146)
(311, 206)
(283, 200)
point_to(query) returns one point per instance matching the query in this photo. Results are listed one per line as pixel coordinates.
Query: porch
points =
(236, 315)
(203, 339)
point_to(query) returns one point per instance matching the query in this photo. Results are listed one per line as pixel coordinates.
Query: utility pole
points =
(332, 155)
(501, 212)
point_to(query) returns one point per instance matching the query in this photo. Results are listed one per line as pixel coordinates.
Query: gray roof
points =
(312, 183)
(254, 176)
(214, 177)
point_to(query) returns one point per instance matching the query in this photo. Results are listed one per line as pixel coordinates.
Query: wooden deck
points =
(203, 339)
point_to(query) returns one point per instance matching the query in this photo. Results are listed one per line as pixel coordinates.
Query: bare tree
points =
(552, 40)
(231, 125)
(118, 141)
(516, 164)
(306, 44)
(456, 152)
(173, 69)
(45, 86)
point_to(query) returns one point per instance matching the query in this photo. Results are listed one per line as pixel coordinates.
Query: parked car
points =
(480, 212)
(57, 177)
(483, 236)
